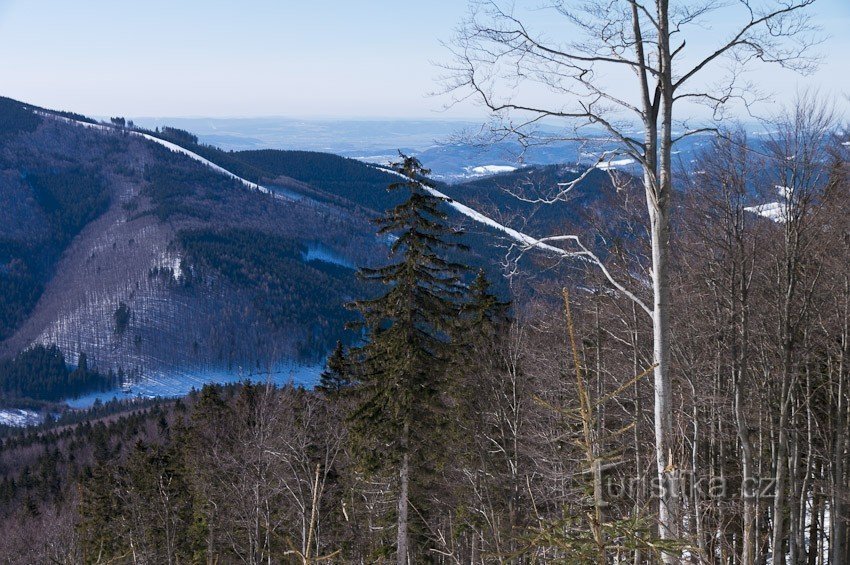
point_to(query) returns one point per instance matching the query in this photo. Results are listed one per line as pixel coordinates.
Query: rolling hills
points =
(157, 256)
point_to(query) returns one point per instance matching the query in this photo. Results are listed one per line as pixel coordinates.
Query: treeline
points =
(176, 135)
(347, 178)
(68, 200)
(16, 117)
(41, 373)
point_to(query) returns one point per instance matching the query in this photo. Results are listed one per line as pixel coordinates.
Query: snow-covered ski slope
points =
(170, 146)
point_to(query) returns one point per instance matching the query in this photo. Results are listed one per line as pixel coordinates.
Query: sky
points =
(302, 59)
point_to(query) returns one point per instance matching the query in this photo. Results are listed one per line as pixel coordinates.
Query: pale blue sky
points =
(319, 58)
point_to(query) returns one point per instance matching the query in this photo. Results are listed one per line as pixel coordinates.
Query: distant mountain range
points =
(454, 150)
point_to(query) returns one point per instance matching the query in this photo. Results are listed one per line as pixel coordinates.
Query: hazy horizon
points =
(325, 60)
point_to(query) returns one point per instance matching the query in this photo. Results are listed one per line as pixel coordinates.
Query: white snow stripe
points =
(168, 145)
(529, 242)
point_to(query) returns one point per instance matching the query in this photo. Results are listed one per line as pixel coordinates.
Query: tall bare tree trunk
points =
(402, 545)
(839, 513)
(659, 213)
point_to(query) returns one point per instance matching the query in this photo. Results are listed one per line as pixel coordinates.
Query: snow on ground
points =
(528, 242)
(490, 169)
(613, 164)
(181, 383)
(319, 252)
(772, 211)
(776, 211)
(19, 418)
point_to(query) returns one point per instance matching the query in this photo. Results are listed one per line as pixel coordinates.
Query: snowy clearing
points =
(19, 418)
(491, 169)
(181, 383)
(775, 211)
(607, 165)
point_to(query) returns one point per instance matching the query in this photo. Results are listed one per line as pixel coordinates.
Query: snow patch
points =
(775, 211)
(19, 418)
(613, 164)
(172, 262)
(180, 384)
(319, 252)
(491, 169)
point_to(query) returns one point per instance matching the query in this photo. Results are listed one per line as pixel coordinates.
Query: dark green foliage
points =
(121, 317)
(177, 186)
(178, 136)
(485, 313)
(41, 373)
(402, 418)
(19, 285)
(337, 374)
(272, 270)
(16, 117)
(409, 328)
(170, 189)
(70, 199)
(348, 178)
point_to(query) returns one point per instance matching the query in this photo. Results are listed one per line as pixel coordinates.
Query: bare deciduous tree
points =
(505, 63)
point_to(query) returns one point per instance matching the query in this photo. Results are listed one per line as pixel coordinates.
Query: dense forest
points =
(14, 118)
(41, 373)
(665, 378)
(273, 270)
(92, 219)
(67, 199)
(340, 177)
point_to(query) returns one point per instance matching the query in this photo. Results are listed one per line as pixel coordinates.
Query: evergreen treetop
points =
(402, 369)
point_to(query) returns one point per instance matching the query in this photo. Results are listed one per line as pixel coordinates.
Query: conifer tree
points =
(337, 375)
(487, 315)
(403, 368)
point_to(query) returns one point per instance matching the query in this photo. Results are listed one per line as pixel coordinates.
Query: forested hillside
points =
(111, 244)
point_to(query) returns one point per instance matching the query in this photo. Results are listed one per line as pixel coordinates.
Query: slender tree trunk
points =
(659, 213)
(838, 509)
(402, 546)
(749, 490)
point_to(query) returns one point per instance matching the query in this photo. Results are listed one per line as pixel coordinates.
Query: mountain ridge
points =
(222, 305)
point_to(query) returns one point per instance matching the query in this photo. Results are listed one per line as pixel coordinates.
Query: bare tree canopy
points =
(587, 48)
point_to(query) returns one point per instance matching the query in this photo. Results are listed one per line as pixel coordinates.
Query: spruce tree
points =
(336, 377)
(410, 329)
(486, 315)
